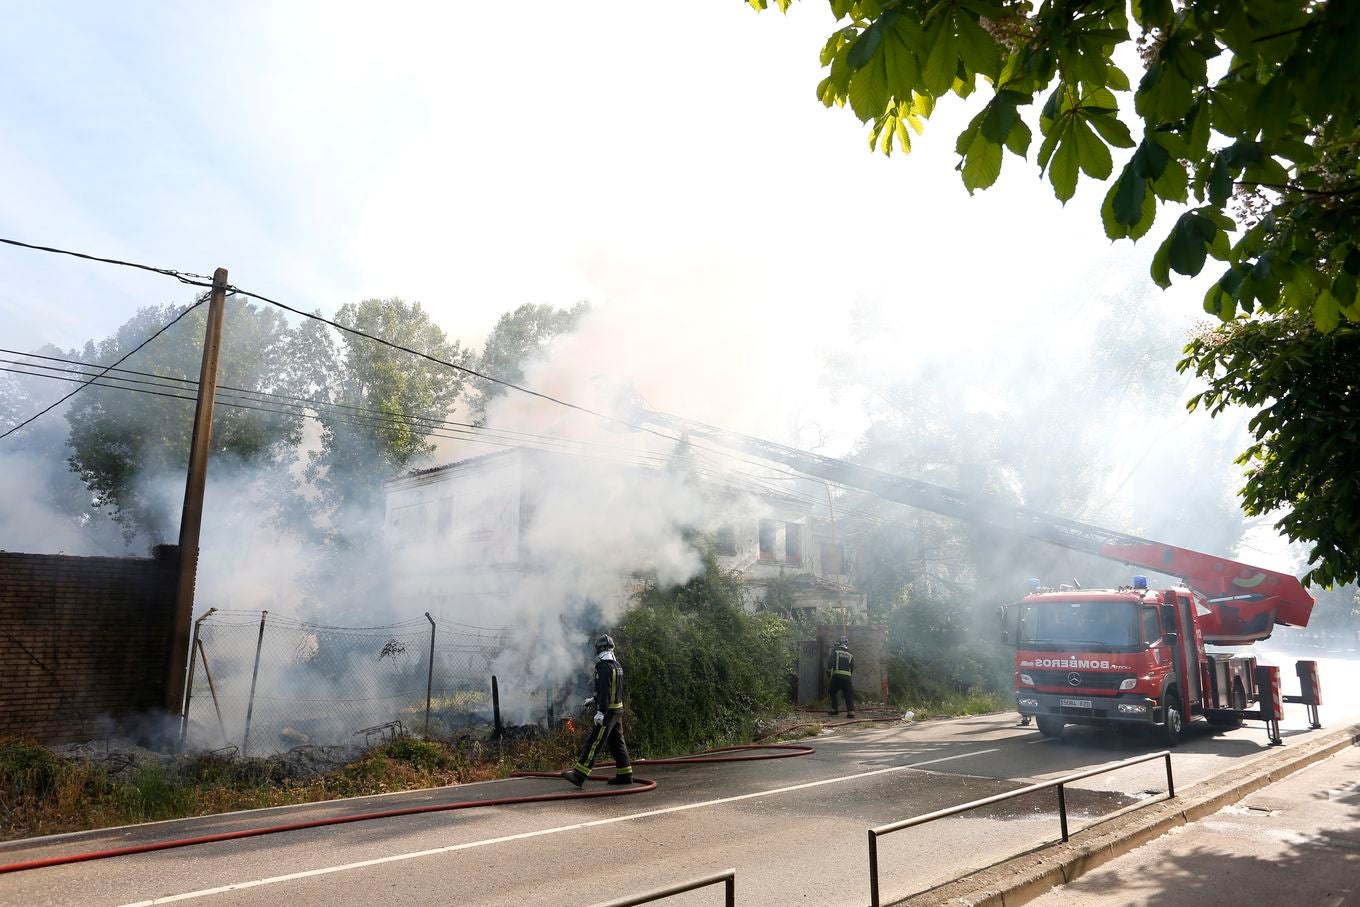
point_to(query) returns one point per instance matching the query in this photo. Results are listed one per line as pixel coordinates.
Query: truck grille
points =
(1090, 680)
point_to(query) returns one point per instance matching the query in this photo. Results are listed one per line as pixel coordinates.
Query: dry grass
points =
(41, 793)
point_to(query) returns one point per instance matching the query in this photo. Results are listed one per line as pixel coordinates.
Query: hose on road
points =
(639, 786)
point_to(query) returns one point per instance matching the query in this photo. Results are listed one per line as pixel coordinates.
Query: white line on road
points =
(326, 870)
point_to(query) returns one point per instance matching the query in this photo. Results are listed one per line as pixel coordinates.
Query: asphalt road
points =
(794, 829)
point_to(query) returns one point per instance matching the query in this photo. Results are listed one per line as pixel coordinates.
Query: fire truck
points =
(1135, 657)
(1125, 657)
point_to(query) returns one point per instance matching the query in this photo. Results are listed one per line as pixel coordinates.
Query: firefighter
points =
(608, 729)
(842, 673)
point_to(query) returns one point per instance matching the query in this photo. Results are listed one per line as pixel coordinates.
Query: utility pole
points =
(192, 518)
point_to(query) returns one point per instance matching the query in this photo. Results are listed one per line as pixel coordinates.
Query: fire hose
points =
(639, 786)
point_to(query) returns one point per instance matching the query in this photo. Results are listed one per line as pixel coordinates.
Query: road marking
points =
(327, 870)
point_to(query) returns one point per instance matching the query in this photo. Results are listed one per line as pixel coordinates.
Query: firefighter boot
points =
(621, 779)
(575, 777)
(849, 714)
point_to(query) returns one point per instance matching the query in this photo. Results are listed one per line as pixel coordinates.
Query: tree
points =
(120, 442)
(358, 450)
(1263, 144)
(1306, 437)
(1280, 117)
(518, 338)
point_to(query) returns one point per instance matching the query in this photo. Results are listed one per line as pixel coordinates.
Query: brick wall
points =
(84, 642)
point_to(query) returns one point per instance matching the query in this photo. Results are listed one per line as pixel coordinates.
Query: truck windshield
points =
(1076, 625)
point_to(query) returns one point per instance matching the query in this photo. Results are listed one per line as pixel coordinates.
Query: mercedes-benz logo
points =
(1074, 679)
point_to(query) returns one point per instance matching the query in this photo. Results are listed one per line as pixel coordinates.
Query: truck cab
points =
(1124, 657)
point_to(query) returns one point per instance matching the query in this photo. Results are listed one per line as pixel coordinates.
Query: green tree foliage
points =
(1307, 429)
(518, 338)
(357, 453)
(938, 650)
(1255, 94)
(700, 670)
(118, 438)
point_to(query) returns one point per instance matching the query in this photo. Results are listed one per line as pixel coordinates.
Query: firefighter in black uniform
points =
(608, 720)
(842, 672)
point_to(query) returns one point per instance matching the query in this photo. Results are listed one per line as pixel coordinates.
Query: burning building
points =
(469, 537)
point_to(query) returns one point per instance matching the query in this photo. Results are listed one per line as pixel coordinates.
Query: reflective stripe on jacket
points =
(843, 663)
(608, 683)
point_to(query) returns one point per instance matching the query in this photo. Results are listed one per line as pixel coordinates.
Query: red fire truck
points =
(1135, 656)
(1116, 657)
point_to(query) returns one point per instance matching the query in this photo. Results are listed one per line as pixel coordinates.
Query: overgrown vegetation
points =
(701, 671)
(939, 665)
(43, 793)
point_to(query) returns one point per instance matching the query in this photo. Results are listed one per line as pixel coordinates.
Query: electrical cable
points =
(292, 400)
(193, 280)
(230, 400)
(125, 357)
(639, 786)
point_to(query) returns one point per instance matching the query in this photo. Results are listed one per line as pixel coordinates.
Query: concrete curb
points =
(1021, 879)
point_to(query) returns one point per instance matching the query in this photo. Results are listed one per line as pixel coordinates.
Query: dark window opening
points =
(725, 541)
(833, 559)
(793, 543)
(768, 532)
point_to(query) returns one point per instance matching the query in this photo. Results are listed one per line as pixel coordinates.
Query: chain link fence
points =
(263, 682)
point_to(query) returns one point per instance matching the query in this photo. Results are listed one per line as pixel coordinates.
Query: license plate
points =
(1075, 703)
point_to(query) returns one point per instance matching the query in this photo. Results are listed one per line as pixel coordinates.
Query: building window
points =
(725, 541)
(769, 533)
(793, 543)
(833, 559)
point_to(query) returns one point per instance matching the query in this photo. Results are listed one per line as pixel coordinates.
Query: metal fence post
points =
(254, 675)
(873, 869)
(429, 678)
(1062, 811)
(731, 887)
(212, 689)
(1170, 782)
(496, 705)
(189, 681)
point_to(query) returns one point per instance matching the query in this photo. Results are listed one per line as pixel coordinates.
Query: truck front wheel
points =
(1171, 715)
(1050, 727)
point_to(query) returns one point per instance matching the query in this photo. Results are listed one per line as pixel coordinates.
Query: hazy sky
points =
(668, 161)
(477, 156)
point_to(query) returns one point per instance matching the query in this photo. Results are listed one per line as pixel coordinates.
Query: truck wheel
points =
(1171, 714)
(1051, 727)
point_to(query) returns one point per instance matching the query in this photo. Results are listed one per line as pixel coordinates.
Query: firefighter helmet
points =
(843, 643)
(604, 641)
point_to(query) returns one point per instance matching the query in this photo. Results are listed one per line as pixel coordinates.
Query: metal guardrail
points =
(728, 879)
(1058, 783)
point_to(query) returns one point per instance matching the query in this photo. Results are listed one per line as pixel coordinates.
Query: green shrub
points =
(27, 769)
(700, 670)
(938, 661)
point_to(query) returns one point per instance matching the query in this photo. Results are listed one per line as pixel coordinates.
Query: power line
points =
(193, 280)
(444, 362)
(228, 400)
(390, 416)
(203, 280)
(124, 358)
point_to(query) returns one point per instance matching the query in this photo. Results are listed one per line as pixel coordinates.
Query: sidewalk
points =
(1296, 841)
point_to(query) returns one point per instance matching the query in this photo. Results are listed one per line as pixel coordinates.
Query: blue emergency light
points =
(1034, 584)
(1140, 581)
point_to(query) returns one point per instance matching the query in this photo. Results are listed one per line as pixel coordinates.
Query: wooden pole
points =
(192, 517)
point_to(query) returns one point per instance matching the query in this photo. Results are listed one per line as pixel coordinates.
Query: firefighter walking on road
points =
(842, 675)
(608, 729)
